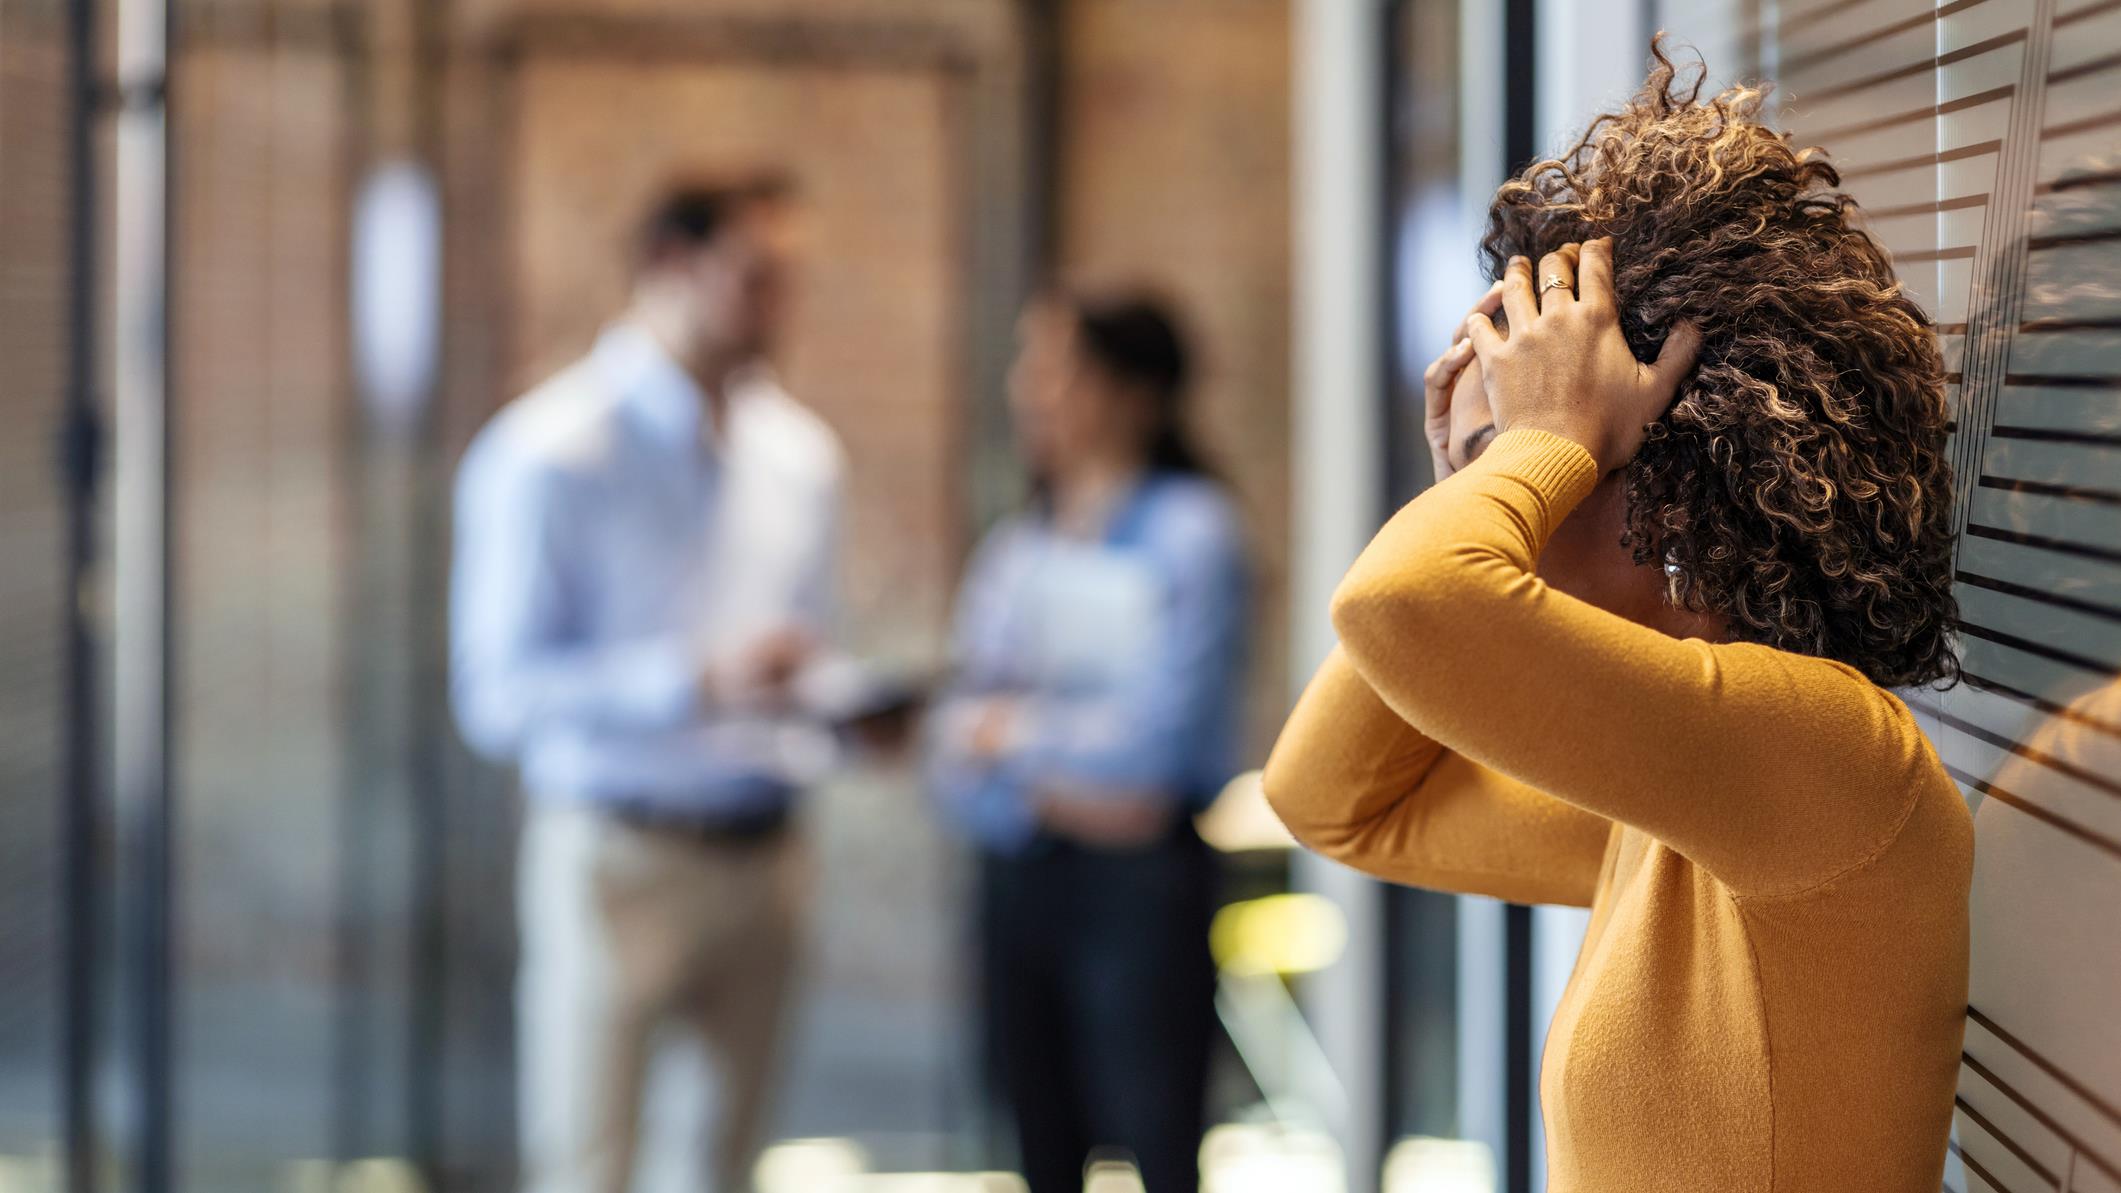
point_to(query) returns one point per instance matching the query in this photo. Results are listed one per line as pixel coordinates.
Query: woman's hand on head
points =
(1442, 376)
(1566, 368)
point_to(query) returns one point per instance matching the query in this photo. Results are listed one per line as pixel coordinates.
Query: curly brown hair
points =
(1799, 486)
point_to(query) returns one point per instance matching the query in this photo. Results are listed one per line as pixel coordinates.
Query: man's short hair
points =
(692, 212)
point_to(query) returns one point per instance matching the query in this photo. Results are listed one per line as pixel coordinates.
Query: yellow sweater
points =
(1773, 990)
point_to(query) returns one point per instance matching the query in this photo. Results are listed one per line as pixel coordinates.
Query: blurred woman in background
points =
(1099, 639)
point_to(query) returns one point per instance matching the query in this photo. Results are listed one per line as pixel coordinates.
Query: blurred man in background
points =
(644, 550)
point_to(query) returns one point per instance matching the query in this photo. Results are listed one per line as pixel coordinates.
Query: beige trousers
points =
(630, 937)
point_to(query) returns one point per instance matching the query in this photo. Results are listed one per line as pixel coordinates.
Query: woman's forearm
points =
(1355, 782)
(1740, 756)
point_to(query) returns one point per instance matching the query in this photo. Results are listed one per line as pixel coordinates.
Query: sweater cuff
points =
(1556, 468)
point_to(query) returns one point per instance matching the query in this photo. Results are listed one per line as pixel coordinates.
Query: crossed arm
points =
(1480, 731)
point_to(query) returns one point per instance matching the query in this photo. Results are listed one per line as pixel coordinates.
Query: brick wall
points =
(34, 209)
(264, 592)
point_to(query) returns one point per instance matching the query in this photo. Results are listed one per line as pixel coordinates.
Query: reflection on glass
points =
(1996, 181)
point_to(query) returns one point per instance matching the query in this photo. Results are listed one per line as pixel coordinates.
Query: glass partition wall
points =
(257, 920)
(214, 902)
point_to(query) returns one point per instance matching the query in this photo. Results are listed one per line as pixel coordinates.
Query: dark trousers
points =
(1100, 1003)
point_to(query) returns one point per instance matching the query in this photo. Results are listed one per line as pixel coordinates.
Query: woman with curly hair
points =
(1632, 652)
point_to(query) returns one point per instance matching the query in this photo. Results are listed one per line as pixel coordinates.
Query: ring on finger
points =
(1553, 280)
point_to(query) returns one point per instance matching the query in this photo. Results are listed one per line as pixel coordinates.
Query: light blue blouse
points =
(1126, 654)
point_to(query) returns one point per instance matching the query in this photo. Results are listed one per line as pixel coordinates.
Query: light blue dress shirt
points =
(608, 545)
(1161, 714)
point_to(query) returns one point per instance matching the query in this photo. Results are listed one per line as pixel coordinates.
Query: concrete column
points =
(1337, 478)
